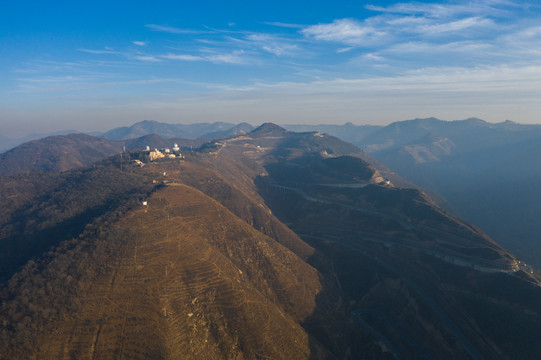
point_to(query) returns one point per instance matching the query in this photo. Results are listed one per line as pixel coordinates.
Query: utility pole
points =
(121, 156)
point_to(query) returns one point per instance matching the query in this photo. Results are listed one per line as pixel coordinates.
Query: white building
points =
(156, 154)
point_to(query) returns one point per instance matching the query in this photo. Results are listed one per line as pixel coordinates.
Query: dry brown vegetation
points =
(187, 279)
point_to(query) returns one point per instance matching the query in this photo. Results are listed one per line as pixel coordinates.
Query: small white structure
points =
(145, 203)
(156, 154)
(175, 147)
(147, 148)
(167, 151)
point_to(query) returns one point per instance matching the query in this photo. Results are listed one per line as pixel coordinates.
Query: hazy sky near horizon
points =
(98, 65)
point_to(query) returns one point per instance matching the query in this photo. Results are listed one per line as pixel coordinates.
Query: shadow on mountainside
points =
(388, 299)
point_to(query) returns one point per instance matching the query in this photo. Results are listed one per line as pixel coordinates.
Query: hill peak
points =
(475, 121)
(269, 129)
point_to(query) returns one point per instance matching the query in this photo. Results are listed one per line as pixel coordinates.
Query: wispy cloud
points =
(346, 31)
(183, 57)
(457, 25)
(273, 44)
(174, 30)
(67, 84)
(235, 57)
(50, 79)
(525, 43)
(147, 58)
(100, 52)
(473, 48)
(438, 10)
(373, 57)
(346, 49)
(284, 25)
(140, 43)
(530, 36)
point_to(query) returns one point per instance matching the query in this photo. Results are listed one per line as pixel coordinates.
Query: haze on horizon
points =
(95, 66)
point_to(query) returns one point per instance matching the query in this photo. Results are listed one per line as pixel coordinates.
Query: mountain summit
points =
(268, 129)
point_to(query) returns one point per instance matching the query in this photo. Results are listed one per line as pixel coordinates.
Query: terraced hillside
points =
(191, 281)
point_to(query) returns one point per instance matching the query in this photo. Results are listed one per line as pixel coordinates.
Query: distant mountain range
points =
(271, 244)
(191, 131)
(188, 132)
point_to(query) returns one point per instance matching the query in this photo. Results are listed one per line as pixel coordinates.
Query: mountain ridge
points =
(486, 172)
(191, 131)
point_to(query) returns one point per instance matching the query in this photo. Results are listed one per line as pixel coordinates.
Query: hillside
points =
(348, 132)
(57, 153)
(65, 152)
(489, 173)
(271, 244)
(486, 173)
(7, 143)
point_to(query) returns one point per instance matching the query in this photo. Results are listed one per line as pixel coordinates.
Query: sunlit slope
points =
(191, 281)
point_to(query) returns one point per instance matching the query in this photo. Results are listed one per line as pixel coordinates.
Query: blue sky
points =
(97, 65)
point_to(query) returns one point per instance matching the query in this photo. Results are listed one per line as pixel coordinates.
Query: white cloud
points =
(273, 44)
(183, 57)
(67, 84)
(235, 57)
(173, 30)
(92, 51)
(345, 31)
(147, 58)
(524, 44)
(457, 25)
(526, 35)
(473, 48)
(284, 25)
(373, 57)
(140, 43)
(346, 49)
(483, 8)
(51, 79)
(407, 21)
(232, 58)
